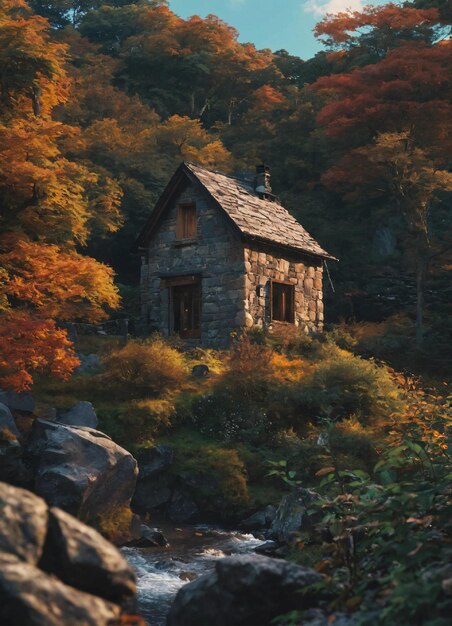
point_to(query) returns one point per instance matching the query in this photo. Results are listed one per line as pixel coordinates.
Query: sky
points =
(274, 24)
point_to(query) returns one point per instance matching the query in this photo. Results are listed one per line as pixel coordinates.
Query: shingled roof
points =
(256, 218)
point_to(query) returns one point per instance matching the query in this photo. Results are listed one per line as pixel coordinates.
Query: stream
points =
(192, 552)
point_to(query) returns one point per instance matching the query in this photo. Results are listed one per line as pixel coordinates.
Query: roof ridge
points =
(206, 169)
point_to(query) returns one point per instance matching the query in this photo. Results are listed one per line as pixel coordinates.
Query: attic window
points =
(283, 298)
(186, 221)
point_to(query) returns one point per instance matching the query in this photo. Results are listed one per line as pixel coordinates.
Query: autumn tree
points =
(395, 116)
(49, 206)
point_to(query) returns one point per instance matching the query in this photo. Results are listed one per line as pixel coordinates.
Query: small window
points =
(186, 222)
(283, 302)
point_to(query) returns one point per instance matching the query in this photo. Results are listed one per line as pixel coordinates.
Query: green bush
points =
(216, 476)
(142, 369)
(344, 386)
(140, 421)
(223, 415)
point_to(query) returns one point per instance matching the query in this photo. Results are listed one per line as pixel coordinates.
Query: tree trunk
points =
(36, 100)
(421, 271)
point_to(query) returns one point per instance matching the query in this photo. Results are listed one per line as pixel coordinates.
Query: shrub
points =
(221, 467)
(115, 524)
(249, 369)
(143, 368)
(224, 415)
(139, 421)
(344, 386)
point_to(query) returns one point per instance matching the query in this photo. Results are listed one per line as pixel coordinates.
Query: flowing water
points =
(193, 550)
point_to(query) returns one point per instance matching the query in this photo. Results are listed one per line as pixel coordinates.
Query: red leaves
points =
(407, 88)
(347, 26)
(28, 345)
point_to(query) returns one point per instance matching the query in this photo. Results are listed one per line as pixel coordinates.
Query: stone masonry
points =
(216, 255)
(261, 267)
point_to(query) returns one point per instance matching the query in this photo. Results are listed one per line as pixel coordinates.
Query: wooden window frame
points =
(291, 310)
(186, 222)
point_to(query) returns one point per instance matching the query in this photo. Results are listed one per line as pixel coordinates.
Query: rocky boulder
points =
(88, 363)
(154, 461)
(182, 508)
(80, 557)
(28, 596)
(82, 414)
(23, 523)
(291, 516)
(23, 401)
(149, 538)
(7, 421)
(244, 591)
(12, 469)
(79, 469)
(154, 487)
(260, 520)
(49, 560)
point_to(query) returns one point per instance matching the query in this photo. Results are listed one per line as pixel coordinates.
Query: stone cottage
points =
(220, 254)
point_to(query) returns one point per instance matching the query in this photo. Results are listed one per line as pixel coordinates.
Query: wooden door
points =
(186, 301)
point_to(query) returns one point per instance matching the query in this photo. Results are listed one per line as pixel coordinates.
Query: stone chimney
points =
(262, 181)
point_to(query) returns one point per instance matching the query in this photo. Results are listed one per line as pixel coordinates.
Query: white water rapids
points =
(192, 552)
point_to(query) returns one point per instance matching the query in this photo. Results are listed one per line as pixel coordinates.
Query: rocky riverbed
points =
(193, 552)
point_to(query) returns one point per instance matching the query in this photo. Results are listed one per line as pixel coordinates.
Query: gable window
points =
(186, 221)
(283, 300)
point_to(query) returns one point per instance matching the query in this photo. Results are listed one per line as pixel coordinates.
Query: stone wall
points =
(304, 272)
(216, 255)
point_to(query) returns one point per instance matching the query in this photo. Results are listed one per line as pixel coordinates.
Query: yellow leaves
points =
(32, 64)
(59, 284)
(185, 139)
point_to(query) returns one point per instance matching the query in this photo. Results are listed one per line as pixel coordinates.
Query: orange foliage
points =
(49, 204)
(59, 284)
(346, 26)
(267, 97)
(29, 344)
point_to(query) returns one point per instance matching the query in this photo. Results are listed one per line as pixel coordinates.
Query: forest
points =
(99, 104)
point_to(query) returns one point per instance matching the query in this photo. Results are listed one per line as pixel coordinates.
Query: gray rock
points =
(12, 469)
(272, 548)
(200, 371)
(88, 363)
(82, 558)
(28, 596)
(150, 496)
(182, 508)
(154, 487)
(18, 401)
(23, 523)
(79, 469)
(82, 414)
(246, 590)
(260, 520)
(7, 421)
(154, 461)
(291, 516)
(150, 538)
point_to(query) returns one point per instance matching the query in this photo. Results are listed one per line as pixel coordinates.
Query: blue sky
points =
(271, 24)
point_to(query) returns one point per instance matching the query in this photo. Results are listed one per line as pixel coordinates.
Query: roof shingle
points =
(255, 216)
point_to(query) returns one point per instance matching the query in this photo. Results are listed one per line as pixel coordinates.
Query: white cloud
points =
(320, 7)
